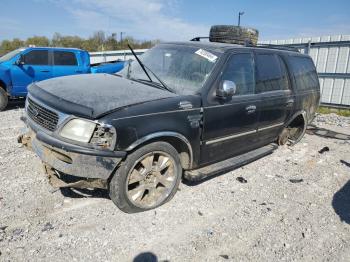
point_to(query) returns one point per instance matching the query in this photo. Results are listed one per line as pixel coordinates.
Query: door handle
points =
(44, 71)
(250, 109)
(78, 71)
(290, 102)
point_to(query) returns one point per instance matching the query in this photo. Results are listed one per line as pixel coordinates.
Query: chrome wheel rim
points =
(151, 180)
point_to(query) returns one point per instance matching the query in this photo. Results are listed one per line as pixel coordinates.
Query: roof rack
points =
(198, 38)
(249, 44)
(280, 47)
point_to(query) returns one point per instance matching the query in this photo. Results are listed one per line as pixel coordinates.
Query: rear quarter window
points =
(304, 73)
(65, 58)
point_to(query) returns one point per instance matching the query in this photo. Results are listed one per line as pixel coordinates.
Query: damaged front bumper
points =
(92, 165)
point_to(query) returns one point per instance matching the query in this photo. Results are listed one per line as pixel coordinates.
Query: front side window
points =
(37, 57)
(240, 70)
(182, 68)
(65, 58)
(272, 74)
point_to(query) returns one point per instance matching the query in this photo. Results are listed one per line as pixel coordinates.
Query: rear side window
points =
(240, 70)
(37, 57)
(65, 58)
(304, 73)
(272, 73)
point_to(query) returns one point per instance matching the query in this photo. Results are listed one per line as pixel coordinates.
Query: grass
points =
(328, 110)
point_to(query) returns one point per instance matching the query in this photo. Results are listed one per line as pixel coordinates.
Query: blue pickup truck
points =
(23, 66)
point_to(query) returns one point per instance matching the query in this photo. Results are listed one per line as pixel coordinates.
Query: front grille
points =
(42, 116)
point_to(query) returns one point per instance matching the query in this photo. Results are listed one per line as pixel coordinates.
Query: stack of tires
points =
(233, 34)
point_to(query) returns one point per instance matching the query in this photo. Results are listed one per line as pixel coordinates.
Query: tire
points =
(3, 99)
(137, 185)
(233, 34)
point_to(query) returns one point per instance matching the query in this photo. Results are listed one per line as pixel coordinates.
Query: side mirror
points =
(226, 89)
(20, 61)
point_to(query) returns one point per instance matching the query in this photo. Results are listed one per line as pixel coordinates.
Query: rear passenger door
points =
(65, 63)
(275, 93)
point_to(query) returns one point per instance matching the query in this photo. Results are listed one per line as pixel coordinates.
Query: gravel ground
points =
(295, 205)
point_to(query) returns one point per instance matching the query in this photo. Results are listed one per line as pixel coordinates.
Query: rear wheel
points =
(148, 178)
(3, 99)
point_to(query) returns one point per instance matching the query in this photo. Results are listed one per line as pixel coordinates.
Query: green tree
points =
(90, 45)
(38, 41)
(66, 41)
(111, 42)
(17, 43)
(56, 39)
(6, 46)
(97, 42)
(9, 45)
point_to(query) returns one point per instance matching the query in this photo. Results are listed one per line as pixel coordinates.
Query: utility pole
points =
(239, 17)
(121, 36)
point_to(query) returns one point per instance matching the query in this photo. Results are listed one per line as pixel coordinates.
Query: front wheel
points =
(148, 178)
(3, 99)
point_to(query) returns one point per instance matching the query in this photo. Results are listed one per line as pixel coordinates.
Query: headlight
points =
(78, 130)
(104, 136)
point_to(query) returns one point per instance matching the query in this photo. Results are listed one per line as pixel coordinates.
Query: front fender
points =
(5, 77)
(177, 117)
(152, 136)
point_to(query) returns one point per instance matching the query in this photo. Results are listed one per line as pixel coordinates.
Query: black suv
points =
(191, 109)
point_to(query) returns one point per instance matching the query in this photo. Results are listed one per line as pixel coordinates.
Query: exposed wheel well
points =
(180, 146)
(297, 128)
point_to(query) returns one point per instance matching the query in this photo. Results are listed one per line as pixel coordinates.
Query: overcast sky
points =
(172, 19)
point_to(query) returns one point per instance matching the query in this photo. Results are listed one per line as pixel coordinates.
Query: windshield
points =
(183, 69)
(10, 55)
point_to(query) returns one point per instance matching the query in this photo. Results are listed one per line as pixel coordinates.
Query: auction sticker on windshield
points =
(211, 57)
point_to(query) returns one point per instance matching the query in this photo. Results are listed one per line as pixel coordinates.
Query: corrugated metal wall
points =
(331, 55)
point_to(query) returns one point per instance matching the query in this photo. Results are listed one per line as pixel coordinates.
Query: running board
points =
(228, 164)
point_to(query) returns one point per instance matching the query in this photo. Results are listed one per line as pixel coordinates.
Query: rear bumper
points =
(71, 159)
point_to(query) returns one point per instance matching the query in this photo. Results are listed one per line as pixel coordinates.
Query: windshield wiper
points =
(140, 63)
(147, 82)
(145, 68)
(160, 81)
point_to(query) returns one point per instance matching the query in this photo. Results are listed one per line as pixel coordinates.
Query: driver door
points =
(35, 67)
(230, 125)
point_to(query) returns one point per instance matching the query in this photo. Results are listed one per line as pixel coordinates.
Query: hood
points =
(3, 66)
(93, 95)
